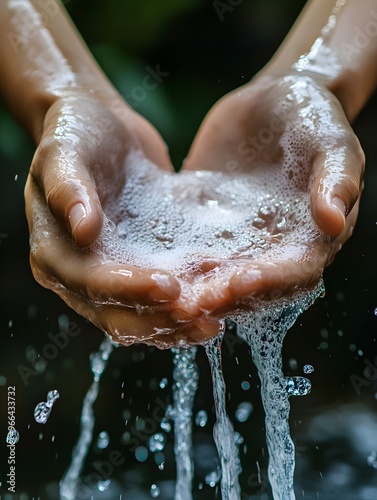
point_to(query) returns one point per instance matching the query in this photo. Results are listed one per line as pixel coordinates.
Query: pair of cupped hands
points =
(80, 165)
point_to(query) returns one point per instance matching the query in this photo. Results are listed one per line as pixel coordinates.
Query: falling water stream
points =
(186, 377)
(69, 483)
(223, 431)
(264, 332)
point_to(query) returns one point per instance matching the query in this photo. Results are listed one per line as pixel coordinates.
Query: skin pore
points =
(86, 136)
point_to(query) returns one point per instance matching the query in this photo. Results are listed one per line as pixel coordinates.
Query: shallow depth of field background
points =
(205, 58)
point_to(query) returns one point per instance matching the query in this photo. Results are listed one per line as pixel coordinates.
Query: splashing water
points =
(308, 369)
(186, 377)
(43, 410)
(103, 440)
(264, 332)
(13, 437)
(69, 483)
(201, 418)
(223, 432)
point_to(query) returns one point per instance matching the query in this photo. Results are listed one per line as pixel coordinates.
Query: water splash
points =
(155, 491)
(13, 437)
(156, 442)
(69, 483)
(43, 410)
(201, 418)
(223, 431)
(243, 411)
(264, 332)
(103, 440)
(297, 386)
(308, 369)
(186, 377)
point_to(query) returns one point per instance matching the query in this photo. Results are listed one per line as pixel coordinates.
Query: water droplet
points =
(165, 425)
(375, 311)
(103, 440)
(103, 485)
(238, 439)
(243, 411)
(141, 454)
(43, 410)
(159, 458)
(156, 442)
(52, 396)
(213, 478)
(372, 460)
(292, 364)
(170, 413)
(155, 491)
(163, 383)
(298, 386)
(308, 369)
(201, 418)
(13, 437)
(245, 385)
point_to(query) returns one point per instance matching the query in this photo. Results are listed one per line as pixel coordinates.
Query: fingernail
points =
(76, 216)
(339, 204)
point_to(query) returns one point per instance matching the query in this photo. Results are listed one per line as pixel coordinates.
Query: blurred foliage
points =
(133, 25)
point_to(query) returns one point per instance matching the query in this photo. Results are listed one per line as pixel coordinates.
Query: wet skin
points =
(85, 144)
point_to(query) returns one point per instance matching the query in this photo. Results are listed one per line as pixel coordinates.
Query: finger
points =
(61, 170)
(127, 327)
(101, 283)
(83, 271)
(336, 186)
(267, 281)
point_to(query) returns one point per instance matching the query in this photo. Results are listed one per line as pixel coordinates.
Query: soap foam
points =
(178, 222)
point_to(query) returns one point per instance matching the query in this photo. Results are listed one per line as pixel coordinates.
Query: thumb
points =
(61, 171)
(336, 186)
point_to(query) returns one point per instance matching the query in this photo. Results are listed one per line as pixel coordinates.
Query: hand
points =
(294, 128)
(79, 167)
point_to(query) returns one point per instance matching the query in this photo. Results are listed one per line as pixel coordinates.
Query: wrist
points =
(345, 85)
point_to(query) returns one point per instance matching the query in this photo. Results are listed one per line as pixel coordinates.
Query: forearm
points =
(42, 56)
(344, 57)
